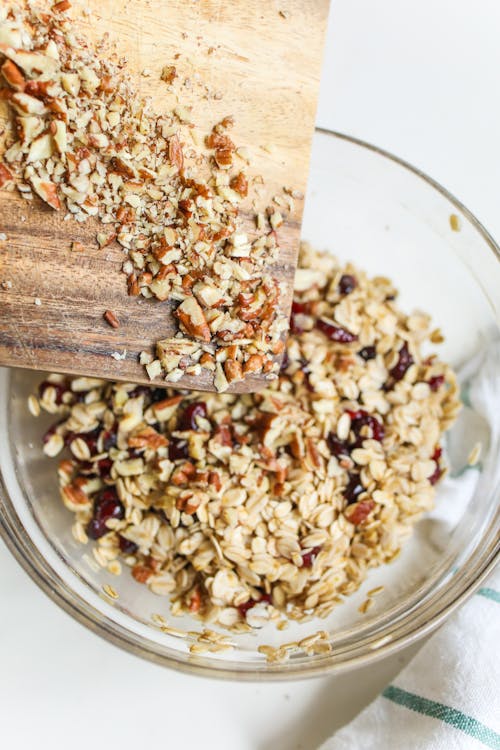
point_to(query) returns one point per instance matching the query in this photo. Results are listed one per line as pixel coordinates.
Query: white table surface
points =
(420, 79)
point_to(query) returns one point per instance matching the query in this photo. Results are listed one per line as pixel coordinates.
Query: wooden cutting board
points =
(260, 62)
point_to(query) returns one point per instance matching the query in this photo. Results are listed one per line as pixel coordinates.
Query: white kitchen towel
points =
(448, 696)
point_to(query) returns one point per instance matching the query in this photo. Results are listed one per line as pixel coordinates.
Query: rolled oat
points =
(245, 508)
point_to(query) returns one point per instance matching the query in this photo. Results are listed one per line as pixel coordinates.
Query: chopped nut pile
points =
(246, 508)
(84, 140)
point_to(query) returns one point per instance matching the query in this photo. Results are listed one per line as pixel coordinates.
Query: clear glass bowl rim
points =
(460, 588)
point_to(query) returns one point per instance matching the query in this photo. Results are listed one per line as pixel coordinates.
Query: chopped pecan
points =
(61, 6)
(123, 167)
(186, 207)
(125, 215)
(111, 319)
(192, 505)
(74, 497)
(359, 512)
(66, 467)
(5, 175)
(133, 285)
(239, 183)
(206, 359)
(168, 74)
(215, 481)
(220, 142)
(233, 371)
(195, 600)
(224, 157)
(175, 152)
(107, 84)
(193, 320)
(223, 435)
(13, 76)
(38, 89)
(183, 474)
(148, 437)
(313, 453)
(253, 364)
(47, 191)
(141, 573)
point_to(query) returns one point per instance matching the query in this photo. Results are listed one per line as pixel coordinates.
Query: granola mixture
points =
(245, 508)
(84, 141)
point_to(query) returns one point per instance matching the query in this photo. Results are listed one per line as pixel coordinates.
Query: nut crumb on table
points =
(245, 509)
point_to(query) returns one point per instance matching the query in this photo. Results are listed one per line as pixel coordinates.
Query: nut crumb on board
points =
(111, 319)
(83, 140)
(270, 506)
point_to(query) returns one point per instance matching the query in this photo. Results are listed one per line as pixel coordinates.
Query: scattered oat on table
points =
(246, 508)
(475, 454)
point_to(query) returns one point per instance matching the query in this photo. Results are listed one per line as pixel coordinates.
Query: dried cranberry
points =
(191, 412)
(347, 283)
(127, 547)
(335, 333)
(437, 453)
(298, 308)
(51, 431)
(301, 308)
(337, 447)
(89, 438)
(243, 608)
(308, 558)
(361, 418)
(139, 390)
(59, 388)
(157, 394)
(177, 449)
(353, 489)
(106, 506)
(135, 452)
(69, 437)
(436, 476)
(404, 362)
(284, 362)
(436, 382)
(104, 467)
(109, 439)
(368, 352)
(86, 467)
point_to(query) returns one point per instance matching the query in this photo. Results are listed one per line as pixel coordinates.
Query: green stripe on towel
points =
(451, 716)
(490, 594)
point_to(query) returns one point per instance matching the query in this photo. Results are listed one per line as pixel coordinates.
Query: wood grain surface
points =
(260, 62)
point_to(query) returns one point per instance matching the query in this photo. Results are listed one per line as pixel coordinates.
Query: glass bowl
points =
(367, 206)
